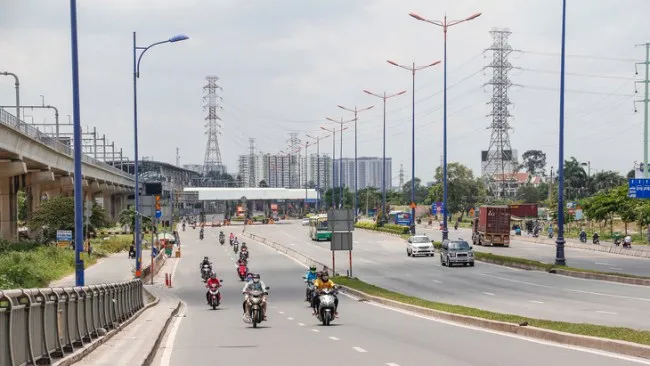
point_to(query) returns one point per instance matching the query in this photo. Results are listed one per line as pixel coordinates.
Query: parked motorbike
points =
(326, 308)
(255, 300)
(205, 272)
(215, 296)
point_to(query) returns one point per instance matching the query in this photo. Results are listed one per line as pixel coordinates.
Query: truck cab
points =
(492, 226)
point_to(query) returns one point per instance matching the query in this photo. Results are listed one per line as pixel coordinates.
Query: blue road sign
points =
(638, 188)
(158, 214)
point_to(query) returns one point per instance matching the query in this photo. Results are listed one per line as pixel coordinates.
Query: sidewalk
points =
(133, 345)
(114, 268)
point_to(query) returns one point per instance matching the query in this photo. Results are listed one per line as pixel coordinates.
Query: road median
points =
(625, 341)
(612, 339)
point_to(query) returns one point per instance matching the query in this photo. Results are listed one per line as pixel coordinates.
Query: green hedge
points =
(387, 228)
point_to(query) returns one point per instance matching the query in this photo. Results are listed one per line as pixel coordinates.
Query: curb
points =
(152, 353)
(604, 344)
(610, 345)
(86, 350)
(637, 253)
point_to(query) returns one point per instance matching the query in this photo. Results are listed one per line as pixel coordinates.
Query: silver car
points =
(419, 245)
(456, 251)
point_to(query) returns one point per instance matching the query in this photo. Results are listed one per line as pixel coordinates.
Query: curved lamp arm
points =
(177, 38)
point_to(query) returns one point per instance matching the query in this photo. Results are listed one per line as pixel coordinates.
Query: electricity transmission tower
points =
(499, 161)
(212, 161)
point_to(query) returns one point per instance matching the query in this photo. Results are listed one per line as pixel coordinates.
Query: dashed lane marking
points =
(391, 364)
(359, 349)
(333, 338)
(301, 324)
(535, 302)
(489, 293)
(289, 318)
(281, 312)
(315, 330)
(606, 312)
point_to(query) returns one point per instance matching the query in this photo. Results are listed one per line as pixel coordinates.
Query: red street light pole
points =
(445, 25)
(412, 69)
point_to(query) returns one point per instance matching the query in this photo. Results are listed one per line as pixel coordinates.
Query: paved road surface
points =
(381, 260)
(114, 268)
(578, 258)
(364, 334)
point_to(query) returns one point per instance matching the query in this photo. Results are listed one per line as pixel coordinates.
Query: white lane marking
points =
(606, 312)
(616, 268)
(171, 338)
(489, 293)
(608, 295)
(602, 264)
(333, 338)
(437, 281)
(535, 302)
(391, 364)
(289, 318)
(281, 312)
(510, 335)
(359, 349)
(293, 244)
(315, 330)
(301, 324)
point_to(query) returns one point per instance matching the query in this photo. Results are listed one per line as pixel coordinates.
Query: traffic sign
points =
(158, 214)
(638, 188)
(64, 235)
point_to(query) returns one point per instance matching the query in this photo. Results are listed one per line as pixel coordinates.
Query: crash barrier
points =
(38, 326)
(157, 264)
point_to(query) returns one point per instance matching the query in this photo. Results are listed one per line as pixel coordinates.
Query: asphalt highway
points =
(364, 334)
(381, 260)
(579, 258)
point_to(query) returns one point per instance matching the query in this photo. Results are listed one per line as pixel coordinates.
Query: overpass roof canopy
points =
(236, 194)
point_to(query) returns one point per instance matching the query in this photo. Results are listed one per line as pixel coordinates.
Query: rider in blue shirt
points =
(311, 275)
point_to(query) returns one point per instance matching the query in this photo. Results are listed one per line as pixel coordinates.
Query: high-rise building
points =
(369, 170)
(319, 171)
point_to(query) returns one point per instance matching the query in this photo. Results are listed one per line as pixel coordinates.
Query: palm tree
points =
(575, 178)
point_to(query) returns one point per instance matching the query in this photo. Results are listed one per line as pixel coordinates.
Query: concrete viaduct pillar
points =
(10, 183)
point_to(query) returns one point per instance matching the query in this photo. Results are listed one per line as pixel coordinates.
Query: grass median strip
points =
(618, 333)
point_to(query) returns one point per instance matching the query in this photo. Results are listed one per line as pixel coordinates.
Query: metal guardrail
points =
(40, 325)
(10, 120)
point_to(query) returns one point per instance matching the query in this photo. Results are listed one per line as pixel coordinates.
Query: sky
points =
(285, 65)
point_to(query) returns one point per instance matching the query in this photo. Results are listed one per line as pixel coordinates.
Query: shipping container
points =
(524, 210)
(492, 227)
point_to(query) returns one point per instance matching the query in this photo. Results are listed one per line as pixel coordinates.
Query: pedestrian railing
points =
(38, 326)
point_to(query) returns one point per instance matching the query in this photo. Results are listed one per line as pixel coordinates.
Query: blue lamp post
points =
(560, 260)
(136, 75)
(78, 196)
(445, 25)
(412, 69)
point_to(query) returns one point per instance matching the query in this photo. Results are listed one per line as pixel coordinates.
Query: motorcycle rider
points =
(232, 238)
(241, 265)
(310, 276)
(627, 242)
(258, 285)
(583, 236)
(243, 246)
(596, 238)
(206, 260)
(222, 236)
(201, 233)
(213, 280)
(321, 283)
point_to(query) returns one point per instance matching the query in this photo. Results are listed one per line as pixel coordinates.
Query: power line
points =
(573, 90)
(577, 74)
(593, 57)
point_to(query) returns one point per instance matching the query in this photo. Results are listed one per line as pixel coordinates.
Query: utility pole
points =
(645, 100)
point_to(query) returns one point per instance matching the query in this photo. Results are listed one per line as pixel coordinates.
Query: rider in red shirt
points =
(213, 280)
(242, 267)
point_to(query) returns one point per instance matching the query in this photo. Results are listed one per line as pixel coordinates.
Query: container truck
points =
(492, 226)
(524, 210)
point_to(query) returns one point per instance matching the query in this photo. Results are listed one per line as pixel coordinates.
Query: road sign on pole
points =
(639, 188)
(341, 223)
(158, 214)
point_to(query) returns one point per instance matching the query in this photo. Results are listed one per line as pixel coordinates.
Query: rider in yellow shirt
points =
(321, 283)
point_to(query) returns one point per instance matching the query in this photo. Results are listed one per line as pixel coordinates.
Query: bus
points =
(400, 218)
(318, 229)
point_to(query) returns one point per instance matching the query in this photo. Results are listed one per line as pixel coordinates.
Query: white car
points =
(419, 245)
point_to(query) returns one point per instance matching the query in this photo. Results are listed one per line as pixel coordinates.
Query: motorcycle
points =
(242, 271)
(255, 300)
(132, 253)
(235, 247)
(222, 240)
(215, 296)
(244, 254)
(596, 239)
(232, 241)
(183, 227)
(326, 309)
(627, 245)
(309, 291)
(583, 238)
(201, 235)
(205, 272)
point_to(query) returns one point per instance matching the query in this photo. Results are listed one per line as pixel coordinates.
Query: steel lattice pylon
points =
(212, 161)
(499, 162)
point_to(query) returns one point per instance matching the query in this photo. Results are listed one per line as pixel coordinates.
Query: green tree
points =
(420, 191)
(22, 206)
(605, 180)
(463, 190)
(528, 194)
(533, 162)
(57, 213)
(127, 218)
(602, 207)
(575, 178)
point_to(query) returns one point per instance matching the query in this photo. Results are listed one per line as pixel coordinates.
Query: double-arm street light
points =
(445, 24)
(317, 138)
(136, 75)
(356, 176)
(340, 157)
(384, 97)
(413, 68)
(333, 132)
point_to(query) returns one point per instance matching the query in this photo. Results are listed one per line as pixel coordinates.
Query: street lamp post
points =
(136, 75)
(333, 131)
(412, 69)
(560, 260)
(317, 169)
(78, 196)
(356, 176)
(445, 25)
(384, 97)
(340, 158)
(17, 84)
